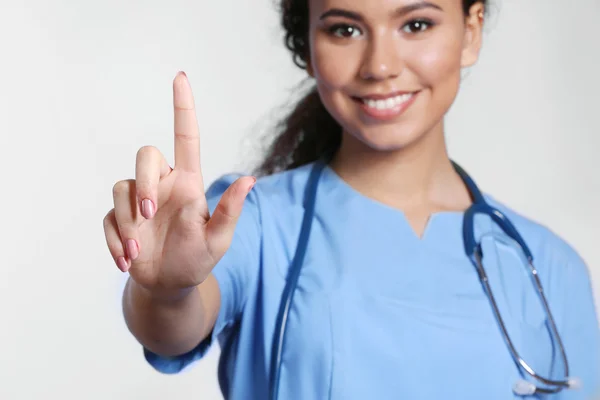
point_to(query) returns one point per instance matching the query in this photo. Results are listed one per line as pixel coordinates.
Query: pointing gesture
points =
(160, 229)
(187, 137)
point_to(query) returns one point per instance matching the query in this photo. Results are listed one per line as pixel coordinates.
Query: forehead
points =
(379, 6)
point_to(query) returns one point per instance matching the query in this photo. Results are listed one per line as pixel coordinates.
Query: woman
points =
(388, 304)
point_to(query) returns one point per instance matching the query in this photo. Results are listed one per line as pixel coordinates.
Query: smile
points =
(388, 103)
(386, 107)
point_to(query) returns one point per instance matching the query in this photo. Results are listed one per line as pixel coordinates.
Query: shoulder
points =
(547, 246)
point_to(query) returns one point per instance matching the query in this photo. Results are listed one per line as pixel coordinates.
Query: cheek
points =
(334, 66)
(438, 65)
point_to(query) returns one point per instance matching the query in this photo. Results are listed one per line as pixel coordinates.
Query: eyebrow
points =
(399, 12)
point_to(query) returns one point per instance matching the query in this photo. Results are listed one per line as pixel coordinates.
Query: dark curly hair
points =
(308, 132)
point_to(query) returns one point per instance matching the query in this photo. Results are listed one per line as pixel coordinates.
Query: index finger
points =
(187, 136)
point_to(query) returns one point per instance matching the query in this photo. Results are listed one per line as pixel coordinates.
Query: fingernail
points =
(122, 264)
(183, 73)
(147, 208)
(132, 249)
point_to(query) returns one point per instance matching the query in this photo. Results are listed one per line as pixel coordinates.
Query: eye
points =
(417, 26)
(344, 31)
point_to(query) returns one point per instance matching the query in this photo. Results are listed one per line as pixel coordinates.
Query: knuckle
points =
(111, 234)
(186, 138)
(188, 219)
(147, 151)
(121, 187)
(224, 209)
(143, 188)
(127, 230)
(125, 222)
(115, 247)
(184, 108)
(107, 222)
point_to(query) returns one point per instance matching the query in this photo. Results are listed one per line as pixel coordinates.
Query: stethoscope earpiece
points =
(575, 383)
(524, 388)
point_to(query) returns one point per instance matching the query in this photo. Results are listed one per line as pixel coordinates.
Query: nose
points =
(382, 58)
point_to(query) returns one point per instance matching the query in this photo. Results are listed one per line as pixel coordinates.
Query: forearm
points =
(167, 328)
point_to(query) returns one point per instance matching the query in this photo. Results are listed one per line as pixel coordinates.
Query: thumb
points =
(221, 225)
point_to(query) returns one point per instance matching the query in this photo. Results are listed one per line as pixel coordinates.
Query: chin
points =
(386, 138)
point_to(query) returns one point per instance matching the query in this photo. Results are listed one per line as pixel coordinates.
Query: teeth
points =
(387, 103)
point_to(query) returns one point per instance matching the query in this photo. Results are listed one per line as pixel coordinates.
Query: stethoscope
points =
(473, 250)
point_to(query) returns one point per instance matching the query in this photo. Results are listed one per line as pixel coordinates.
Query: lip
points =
(385, 96)
(388, 113)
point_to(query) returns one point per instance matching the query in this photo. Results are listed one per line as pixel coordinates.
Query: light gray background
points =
(84, 84)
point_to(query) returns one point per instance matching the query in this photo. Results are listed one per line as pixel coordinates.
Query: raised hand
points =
(160, 229)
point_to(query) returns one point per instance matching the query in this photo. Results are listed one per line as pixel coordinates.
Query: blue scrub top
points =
(382, 314)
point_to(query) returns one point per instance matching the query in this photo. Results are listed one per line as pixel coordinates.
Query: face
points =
(389, 70)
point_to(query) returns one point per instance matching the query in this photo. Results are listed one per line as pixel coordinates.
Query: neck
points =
(418, 176)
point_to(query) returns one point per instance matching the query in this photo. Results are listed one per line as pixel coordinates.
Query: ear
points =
(473, 35)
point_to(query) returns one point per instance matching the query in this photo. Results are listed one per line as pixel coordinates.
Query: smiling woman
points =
(434, 41)
(364, 263)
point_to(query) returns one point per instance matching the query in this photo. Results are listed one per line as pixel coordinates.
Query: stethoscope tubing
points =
(472, 250)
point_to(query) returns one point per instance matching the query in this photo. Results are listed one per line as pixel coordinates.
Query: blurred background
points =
(84, 84)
